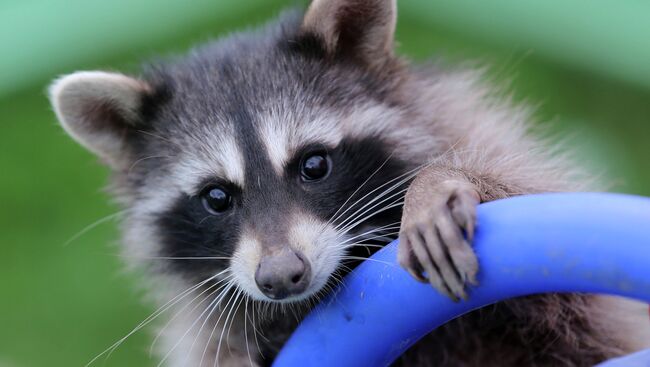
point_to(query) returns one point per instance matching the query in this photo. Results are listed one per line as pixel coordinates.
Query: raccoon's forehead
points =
(250, 98)
(228, 146)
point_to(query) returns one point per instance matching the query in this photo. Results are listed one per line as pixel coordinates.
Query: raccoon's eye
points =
(314, 167)
(215, 200)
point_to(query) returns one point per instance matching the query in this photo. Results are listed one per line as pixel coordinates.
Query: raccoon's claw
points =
(432, 239)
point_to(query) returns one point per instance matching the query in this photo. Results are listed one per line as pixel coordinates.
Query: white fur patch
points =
(275, 138)
(232, 161)
(244, 264)
(222, 159)
(283, 132)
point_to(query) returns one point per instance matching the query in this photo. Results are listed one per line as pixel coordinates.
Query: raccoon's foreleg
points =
(438, 226)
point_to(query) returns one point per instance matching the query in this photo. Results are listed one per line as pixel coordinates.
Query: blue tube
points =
(587, 242)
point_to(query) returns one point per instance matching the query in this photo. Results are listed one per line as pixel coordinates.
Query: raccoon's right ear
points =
(359, 29)
(100, 110)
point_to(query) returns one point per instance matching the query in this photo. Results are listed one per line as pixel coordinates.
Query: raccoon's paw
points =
(432, 239)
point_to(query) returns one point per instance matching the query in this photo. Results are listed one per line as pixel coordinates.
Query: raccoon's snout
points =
(283, 274)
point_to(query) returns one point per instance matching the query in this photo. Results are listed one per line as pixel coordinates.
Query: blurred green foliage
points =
(60, 305)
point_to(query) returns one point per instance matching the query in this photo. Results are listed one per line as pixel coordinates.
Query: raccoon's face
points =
(281, 228)
(271, 160)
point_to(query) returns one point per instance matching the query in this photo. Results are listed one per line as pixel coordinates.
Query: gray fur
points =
(239, 109)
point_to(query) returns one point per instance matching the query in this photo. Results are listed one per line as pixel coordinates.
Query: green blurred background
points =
(585, 63)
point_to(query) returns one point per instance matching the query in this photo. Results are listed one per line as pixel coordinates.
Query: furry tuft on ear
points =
(361, 29)
(98, 109)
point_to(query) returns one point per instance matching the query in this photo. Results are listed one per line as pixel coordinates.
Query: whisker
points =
(255, 331)
(93, 225)
(401, 177)
(232, 320)
(334, 216)
(384, 237)
(158, 136)
(178, 257)
(179, 312)
(229, 306)
(366, 259)
(373, 203)
(198, 334)
(381, 197)
(144, 159)
(216, 300)
(208, 312)
(394, 225)
(231, 285)
(381, 236)
(398, 203)
(151, 317)
(192, 301)
(204, 219)
(404, 177)
(248, 349)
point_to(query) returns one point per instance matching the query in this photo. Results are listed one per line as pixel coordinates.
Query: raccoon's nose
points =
(283, 274)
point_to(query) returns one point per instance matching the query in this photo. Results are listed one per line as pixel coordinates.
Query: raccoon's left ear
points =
(361, 29)
(100, 110)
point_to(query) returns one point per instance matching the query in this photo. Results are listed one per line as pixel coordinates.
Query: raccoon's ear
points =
(100, 110)
(361, 29)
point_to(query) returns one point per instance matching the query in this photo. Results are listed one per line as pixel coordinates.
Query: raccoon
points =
(259, 169)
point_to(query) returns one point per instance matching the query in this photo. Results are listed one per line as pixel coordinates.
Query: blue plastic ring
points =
(587, 242)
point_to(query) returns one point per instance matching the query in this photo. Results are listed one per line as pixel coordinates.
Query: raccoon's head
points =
(269, 158)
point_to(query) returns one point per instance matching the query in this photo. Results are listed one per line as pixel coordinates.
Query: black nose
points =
(283, 274)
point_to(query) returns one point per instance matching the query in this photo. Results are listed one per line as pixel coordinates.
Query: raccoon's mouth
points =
(312, 260)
